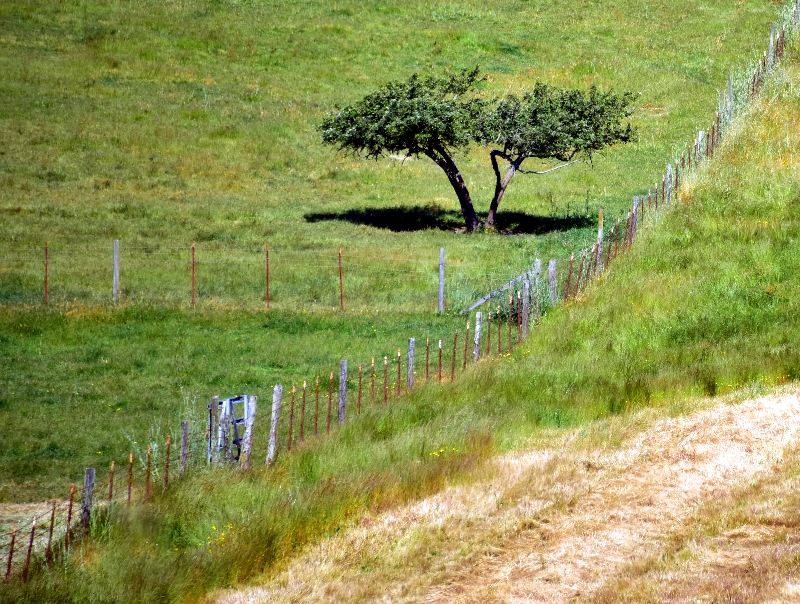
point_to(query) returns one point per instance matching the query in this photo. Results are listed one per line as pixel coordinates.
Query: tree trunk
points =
(446, 163)
(501, 184)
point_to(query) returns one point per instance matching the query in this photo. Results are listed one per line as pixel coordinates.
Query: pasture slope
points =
(704, 305)
(163, 123)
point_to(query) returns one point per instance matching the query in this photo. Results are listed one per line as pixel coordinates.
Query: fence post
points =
(213, 422)
(330, 402)
(88, 490)
(30, 551)
(668, 197)
(342, 391)
(247, 442)
(184, 445)
(115, 289)
(476, 351)
(224, 431)
(466, 348)
(410, 374)
(441, 280)
(11, 551)
(551, 273)
(277, 393)
(49, 551)
(291, 420)
(526, 307)
(600, 242)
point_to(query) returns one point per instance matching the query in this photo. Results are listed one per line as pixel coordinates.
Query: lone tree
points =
(435, 117)
(551, 124)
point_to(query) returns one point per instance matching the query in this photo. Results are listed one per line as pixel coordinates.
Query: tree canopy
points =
(551, 124)
(439, 116)
(429, 116)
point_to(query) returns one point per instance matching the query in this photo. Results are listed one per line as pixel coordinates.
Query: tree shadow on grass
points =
(403, 219)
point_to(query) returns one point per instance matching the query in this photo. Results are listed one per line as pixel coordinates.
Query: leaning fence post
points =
(88, 490)
(30, 551)
(11, 551)
(476, 351)
(115, 288)
(441, 280)
(184, 445)
(410, 374)
(247, 442)
(277, 393)
(551, 273)
(342, 391)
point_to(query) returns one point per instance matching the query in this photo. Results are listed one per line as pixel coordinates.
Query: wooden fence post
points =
(453, 367)
(225, 431)
(30, 551)
(303, 414)
(499, 330)
(88, 490)
(569, 277)
(385, 379)
(213, 407)
(184, 445)
(342, 391)
(489, 334)
(11, 551)
(551, 273)
(476, 351)
(316, 408)
(115, 285)
(166, 462)
(46, 272)
(668, 197)
(526, 307)
(410, 372)
(440, 361)
(247, 442)
(69, 517)
(372, 383)
(277, 394)
(360, 381)
(341, 281)
(399, 371)
(441, 280)
(427, 358)
(466, 348)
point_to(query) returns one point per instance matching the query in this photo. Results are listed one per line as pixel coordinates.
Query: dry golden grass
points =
(586, 516)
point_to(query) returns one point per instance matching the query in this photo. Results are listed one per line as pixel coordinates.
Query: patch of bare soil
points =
(564, 523)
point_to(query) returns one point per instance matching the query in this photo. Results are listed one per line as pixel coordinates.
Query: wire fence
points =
(315, 408)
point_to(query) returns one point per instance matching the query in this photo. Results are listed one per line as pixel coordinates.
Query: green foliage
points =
(421, 116)
(549, 123)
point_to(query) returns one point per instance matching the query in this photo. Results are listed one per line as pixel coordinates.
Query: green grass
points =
(704, 304)
(162, 124)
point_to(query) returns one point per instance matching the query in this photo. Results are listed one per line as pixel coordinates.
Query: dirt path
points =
(551, 525)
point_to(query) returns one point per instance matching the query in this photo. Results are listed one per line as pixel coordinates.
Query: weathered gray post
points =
(701, 142)
(277, 394)
(224, 432)
(88, 490)
(115, 290)
(599, 243)
(247, 441)
(410, 374)
(551, 274)
(441, 280)
(476, 353)
(668, 198)
(213, 436)
(342, 391)
(526, 307)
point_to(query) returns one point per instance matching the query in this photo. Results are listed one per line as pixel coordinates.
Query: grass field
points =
(161, 124)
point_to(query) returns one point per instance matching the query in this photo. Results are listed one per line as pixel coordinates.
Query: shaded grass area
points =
(705, 303)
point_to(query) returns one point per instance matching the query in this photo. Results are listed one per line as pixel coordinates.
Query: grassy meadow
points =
(166, 123)
(705, 303)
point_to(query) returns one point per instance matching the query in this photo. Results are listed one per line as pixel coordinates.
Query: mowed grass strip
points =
(704, 304)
